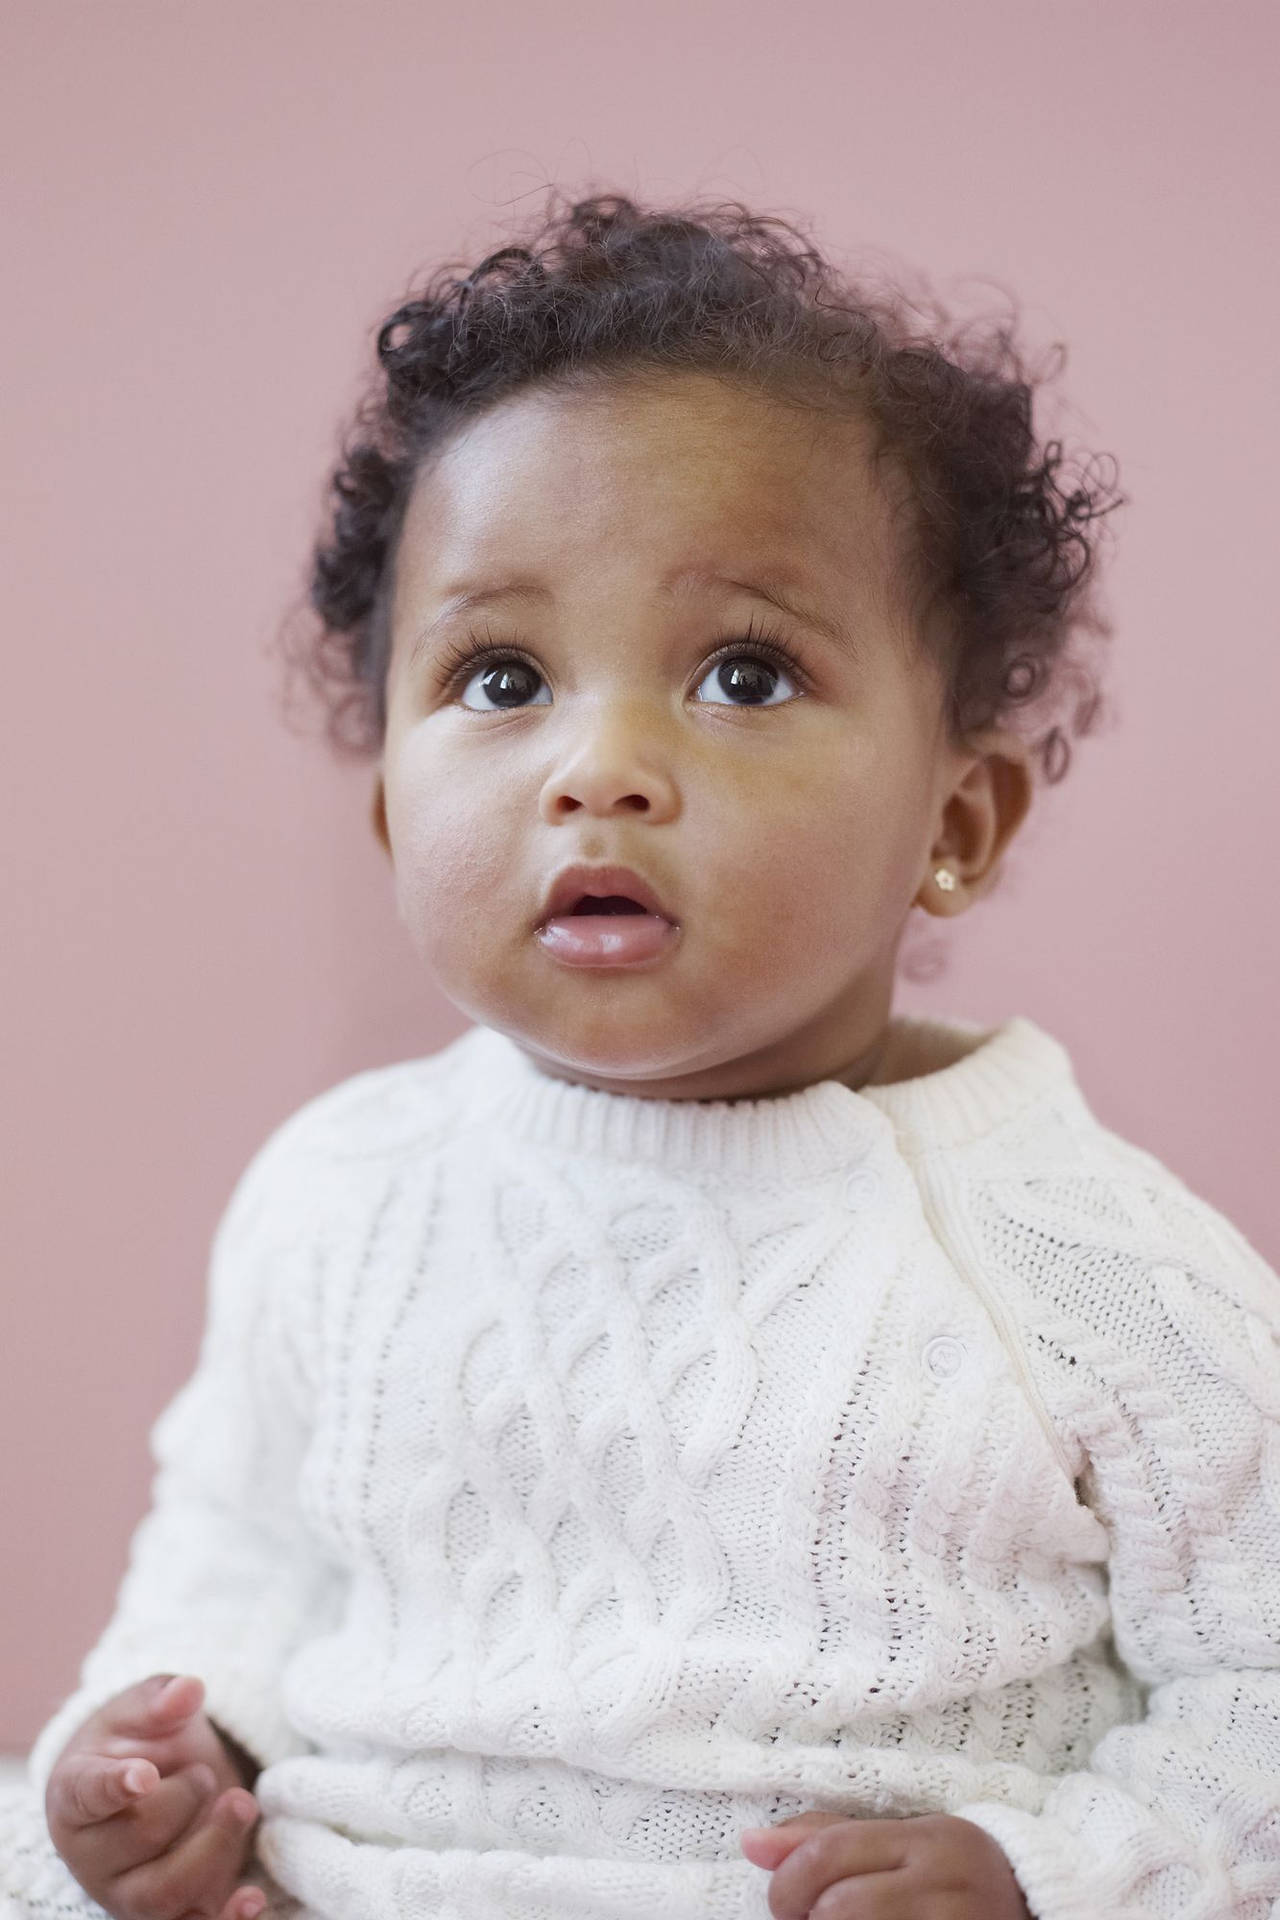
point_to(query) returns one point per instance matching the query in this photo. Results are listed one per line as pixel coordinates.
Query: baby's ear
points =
(379, 812)
(979, 816)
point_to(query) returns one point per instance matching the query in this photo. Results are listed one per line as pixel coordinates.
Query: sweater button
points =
(944, 1356)
(861, 1188)
(1163, 1274)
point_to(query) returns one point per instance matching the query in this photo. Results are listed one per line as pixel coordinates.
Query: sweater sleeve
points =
(1165, 1345)
(224, 1578)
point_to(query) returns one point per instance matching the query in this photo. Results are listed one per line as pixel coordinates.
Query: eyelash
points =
(464, 658)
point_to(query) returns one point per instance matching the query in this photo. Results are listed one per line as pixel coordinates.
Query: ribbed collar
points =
(1011, 1067)
(790, 1136)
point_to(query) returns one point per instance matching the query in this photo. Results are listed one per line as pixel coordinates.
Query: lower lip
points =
(607, 939)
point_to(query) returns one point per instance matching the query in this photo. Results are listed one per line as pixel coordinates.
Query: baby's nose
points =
(613, 771)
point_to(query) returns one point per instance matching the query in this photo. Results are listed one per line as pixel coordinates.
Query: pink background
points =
(210, 207)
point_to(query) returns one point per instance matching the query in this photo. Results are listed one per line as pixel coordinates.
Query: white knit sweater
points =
(570, 1480)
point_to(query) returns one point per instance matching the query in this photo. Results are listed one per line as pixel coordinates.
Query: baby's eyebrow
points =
(465, 599)
(775, 592)
(683, 580)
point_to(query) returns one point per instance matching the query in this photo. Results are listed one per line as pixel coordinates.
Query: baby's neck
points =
(906, 1049)
(914, 1047)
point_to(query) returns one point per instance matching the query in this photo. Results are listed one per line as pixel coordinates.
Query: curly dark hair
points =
(1001, 548)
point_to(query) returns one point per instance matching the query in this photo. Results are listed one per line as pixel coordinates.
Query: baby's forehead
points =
(685, 489)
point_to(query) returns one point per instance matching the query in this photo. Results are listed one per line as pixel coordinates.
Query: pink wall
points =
(211, 206)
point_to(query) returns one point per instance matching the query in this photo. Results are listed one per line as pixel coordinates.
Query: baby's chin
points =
(639, 1033)
(652, 1064)
(616, 1063)
(638, 1052)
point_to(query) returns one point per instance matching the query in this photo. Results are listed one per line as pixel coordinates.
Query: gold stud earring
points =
(945, 879)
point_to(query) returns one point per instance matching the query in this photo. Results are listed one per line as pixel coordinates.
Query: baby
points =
(700, 1446)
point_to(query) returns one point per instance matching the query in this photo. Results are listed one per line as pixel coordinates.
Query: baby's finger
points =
(154, 1824)
(87, 1787)
(246, 1903)
(154, 1706)
(769, 1846)
(845, 1850)
(201, 1870)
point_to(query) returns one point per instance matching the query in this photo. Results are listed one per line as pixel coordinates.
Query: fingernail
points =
(252, 1905)
(135, 1779)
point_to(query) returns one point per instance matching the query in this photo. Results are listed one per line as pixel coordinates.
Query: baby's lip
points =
(571, 883)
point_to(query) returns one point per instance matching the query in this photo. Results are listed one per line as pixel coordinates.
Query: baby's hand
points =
(932, 1867)
(149, 1810)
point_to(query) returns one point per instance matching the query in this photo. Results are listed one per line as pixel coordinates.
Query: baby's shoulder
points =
(381, 1110)
(356, 1131)
(1186, 1232)
(1083, 1198)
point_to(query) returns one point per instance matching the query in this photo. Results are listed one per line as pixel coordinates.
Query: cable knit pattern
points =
(570, 1480)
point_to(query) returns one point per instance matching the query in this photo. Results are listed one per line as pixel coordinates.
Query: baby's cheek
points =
(827, 879)
(453, 881)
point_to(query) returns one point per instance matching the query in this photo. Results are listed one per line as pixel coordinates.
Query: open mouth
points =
(606, 903)
(607, 930)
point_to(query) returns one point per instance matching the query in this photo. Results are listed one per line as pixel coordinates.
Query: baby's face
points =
(782, 815)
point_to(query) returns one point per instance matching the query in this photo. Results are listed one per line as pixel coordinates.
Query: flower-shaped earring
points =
(945, 879)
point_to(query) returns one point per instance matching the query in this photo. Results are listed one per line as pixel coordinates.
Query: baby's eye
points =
(506, 684)
(745, 680)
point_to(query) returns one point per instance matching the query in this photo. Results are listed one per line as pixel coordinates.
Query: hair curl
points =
(1001, 547)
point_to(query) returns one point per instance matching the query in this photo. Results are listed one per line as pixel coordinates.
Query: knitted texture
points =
(570, 1480)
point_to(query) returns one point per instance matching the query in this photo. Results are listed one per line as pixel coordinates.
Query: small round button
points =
(944, 1356)
(861, 1188)
(1165, 1275)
